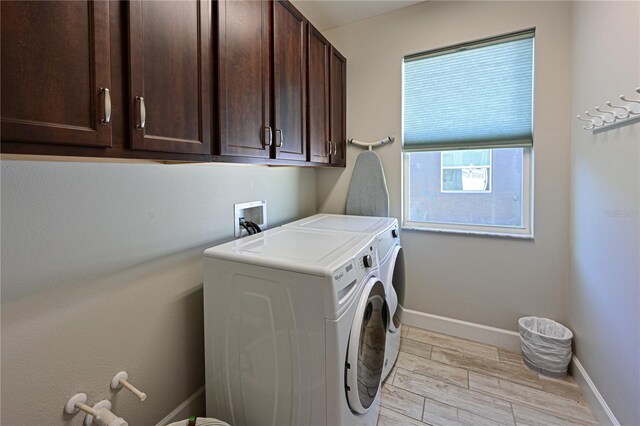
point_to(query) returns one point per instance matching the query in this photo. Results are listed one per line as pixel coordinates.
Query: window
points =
(468, 137)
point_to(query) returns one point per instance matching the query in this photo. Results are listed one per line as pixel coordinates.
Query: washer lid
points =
(345, 223)
(303, 250)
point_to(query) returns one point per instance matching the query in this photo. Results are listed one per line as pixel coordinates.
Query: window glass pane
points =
(498, 204)
(471, 157)
(466, 179)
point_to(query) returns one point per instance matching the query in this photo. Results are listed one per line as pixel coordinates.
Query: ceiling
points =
(329, 14)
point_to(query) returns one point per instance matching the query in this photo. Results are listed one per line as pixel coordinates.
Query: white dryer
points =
(391, 258)
(295, 328)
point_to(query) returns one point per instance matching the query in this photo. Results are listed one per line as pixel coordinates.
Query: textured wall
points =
(604, 295)
(491, 281)
(102, 272)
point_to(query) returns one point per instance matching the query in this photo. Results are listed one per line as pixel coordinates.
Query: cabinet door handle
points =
(281, 138)
(107, 106)
(330, 149)
(269, 140)
(143, 113)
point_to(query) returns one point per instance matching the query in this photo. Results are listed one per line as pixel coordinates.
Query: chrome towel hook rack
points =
(371, 145)
(613, 117)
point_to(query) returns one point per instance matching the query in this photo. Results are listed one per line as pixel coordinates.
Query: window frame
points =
(469, 191)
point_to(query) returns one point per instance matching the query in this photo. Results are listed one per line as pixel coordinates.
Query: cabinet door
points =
(338, 100)
(289, 75)
(55, 61)
(170, 75)
(243, 78)
(318, 96)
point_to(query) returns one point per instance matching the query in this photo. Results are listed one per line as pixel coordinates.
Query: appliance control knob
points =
(394, 233)
(368, 261)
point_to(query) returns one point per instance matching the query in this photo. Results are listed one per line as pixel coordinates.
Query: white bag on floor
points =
(546, 345)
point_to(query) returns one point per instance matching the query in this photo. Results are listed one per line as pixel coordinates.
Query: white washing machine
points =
(391, 258)
(295, 328)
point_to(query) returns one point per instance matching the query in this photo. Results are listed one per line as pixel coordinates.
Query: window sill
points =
(469, 232)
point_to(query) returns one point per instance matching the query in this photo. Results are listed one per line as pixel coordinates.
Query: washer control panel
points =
(368, 257)
(347, 277)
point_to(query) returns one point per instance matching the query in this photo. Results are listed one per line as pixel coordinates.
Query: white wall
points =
(491, 281)
(604, 295)
(102, 272)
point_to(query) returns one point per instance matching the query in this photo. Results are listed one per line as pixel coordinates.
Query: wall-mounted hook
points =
(120, 380)
(620, 115)
(371, 145)
(595, 116)
(613, 116)
(631, 101)
(78, 402)
(591, 126)
(622, 97)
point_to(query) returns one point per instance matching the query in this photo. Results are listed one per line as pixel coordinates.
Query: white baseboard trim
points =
(465, 330)
(601, 410)
(192, 406)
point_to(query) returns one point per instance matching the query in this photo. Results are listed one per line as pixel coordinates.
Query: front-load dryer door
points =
(365, 355)
(395, 275)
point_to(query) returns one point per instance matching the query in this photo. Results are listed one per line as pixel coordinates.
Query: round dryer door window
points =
(365, 355)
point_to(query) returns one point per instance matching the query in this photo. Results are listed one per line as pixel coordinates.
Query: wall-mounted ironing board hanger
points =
(371, 145)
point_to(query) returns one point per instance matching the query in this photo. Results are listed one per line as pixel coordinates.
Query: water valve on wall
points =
(100, 412)
(120, 380)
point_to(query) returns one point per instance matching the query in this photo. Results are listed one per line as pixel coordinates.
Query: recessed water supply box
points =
(253, 211)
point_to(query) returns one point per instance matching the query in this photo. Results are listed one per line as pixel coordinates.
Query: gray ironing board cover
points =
(368, 194)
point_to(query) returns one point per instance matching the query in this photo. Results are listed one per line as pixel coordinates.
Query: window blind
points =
(476, 95)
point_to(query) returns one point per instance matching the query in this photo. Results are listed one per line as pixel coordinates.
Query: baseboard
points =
(192, 406)
(601, 410)
(465, 330)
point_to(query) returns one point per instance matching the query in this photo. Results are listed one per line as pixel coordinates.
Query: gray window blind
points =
(477, 95)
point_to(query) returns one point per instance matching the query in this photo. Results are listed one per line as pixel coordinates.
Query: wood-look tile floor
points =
(443, 380)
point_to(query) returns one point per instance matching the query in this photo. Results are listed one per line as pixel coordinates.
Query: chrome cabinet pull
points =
(143, 113)
(269, 141)
(331, 144)
(328, 147)
(107, 106)
(281, 138)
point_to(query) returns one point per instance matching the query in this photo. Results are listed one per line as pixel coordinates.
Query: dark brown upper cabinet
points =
(187, 80)
(327, 73)
(319, 51)
(56, 76)
(170, 76)
(262, 80)
(338, 102)
(289, 81)
(244, 75)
